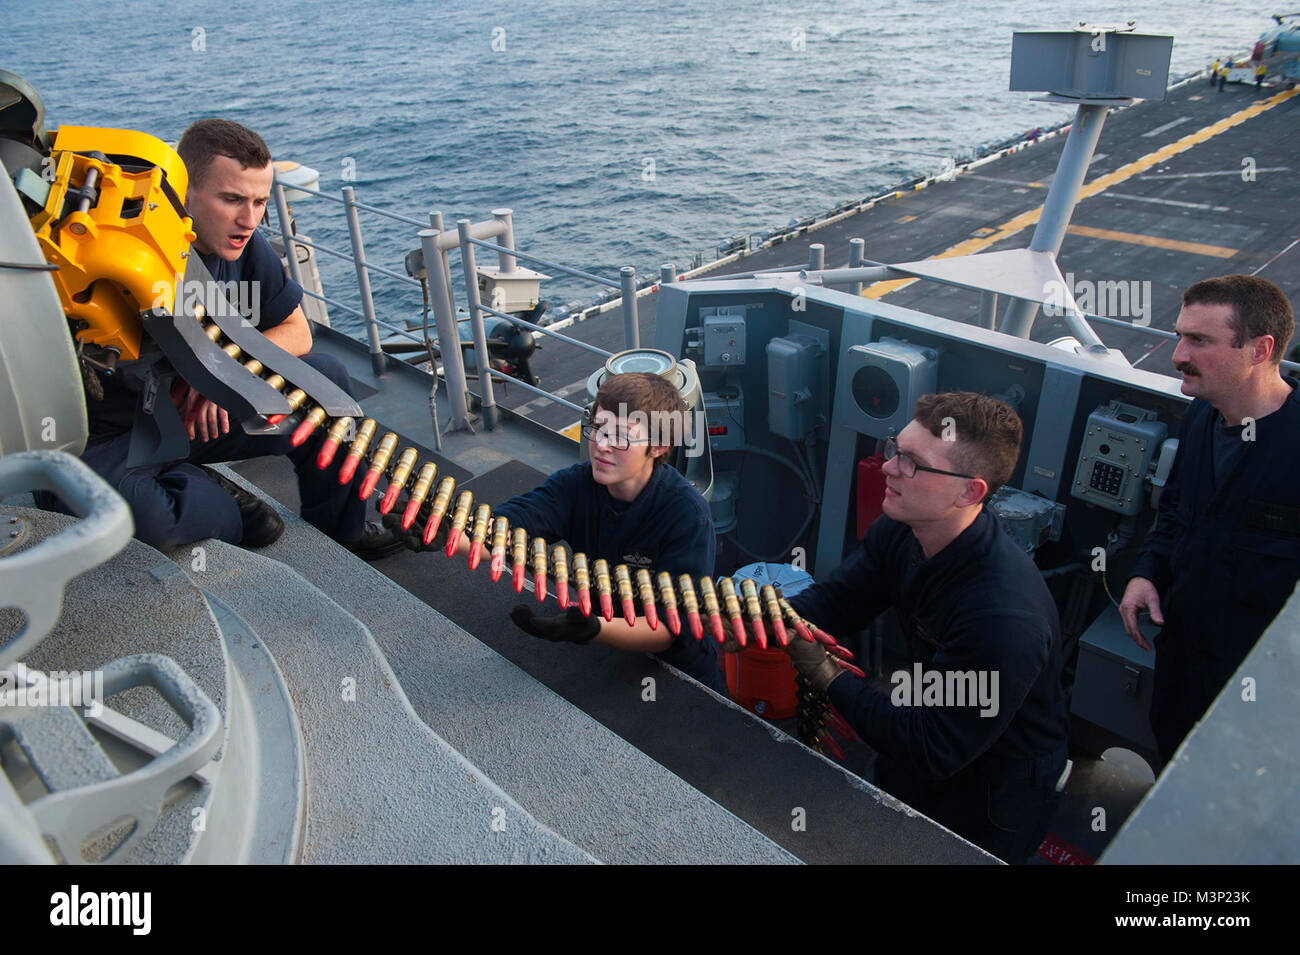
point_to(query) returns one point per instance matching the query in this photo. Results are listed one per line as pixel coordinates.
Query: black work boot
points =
(376, 542)
(262, 525)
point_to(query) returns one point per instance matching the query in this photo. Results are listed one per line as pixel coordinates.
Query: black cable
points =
(30, 266)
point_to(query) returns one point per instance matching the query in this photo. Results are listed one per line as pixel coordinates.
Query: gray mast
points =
(1096, 68)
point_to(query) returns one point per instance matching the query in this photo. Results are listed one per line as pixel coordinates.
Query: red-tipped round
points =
(276, 418)
(674, 621)
(368, 484)
(760, 634)
(844, 653)
(778, 627)
(519, 579)
(607, 607)
(475, 552)
(832, 747)
(841, 725)
(539, 586)
(854, 670)
(715, 624)
(824, 638)
(629, 611)
(390, 497)
(738, 628)
(562, 593)
(411, 513)
(584, 601)
(651, 617)
(453, 540)
(328, 449)
(303, 432)
(800, 629)
(431, 528)
(497, 565)
(348, 468)
(697, 628)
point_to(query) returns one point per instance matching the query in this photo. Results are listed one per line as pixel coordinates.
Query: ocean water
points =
(619, 134)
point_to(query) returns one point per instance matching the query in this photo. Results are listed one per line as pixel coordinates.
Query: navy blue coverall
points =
(978, 606)
(1224, 556)
(667, 527)
(176, 503)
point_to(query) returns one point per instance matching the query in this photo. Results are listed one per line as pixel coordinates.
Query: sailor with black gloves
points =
(627, 507)
(974, 733)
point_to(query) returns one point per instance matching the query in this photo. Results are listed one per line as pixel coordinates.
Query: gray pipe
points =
(1059, 206)
(448, 338)
(490, 414)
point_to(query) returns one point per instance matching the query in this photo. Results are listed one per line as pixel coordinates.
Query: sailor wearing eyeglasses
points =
(626, 506)
(973, 608)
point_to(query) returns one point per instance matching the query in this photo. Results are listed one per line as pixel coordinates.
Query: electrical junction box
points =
(885, 379)
(1118, 447)
(796, 372)
(724, 410)
(724, 337)
(1027, 518)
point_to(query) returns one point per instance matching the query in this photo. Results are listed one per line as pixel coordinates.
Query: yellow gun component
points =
(126, 253)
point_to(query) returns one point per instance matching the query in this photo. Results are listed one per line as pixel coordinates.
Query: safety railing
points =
(435, 243)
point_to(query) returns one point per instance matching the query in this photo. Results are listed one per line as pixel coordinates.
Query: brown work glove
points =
(813, 663)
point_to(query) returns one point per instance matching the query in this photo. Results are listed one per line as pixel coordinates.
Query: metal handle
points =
(71, 816)
(34, 580)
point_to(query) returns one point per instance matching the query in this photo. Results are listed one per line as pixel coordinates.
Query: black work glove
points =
(573, 626)
(413, 536)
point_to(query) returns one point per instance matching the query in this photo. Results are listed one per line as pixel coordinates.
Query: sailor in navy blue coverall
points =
(983, 761)
(177, 503)
(668, 527)
(625, 505)
(1224, 554)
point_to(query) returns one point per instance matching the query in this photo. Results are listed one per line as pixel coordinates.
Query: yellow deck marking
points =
(1155, 242)
(573, 431)
(907, 218)
(1100, 184)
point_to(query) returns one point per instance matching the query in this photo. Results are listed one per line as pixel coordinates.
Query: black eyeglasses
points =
(613, 439)
(908, 466)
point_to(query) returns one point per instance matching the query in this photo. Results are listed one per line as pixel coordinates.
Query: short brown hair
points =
(987, 432)
(1258, 308)
(208, 138)
(655, 397)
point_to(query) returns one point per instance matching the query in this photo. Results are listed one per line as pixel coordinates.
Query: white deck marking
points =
(1220, 172)
(1170, 125)
(1170, 202)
